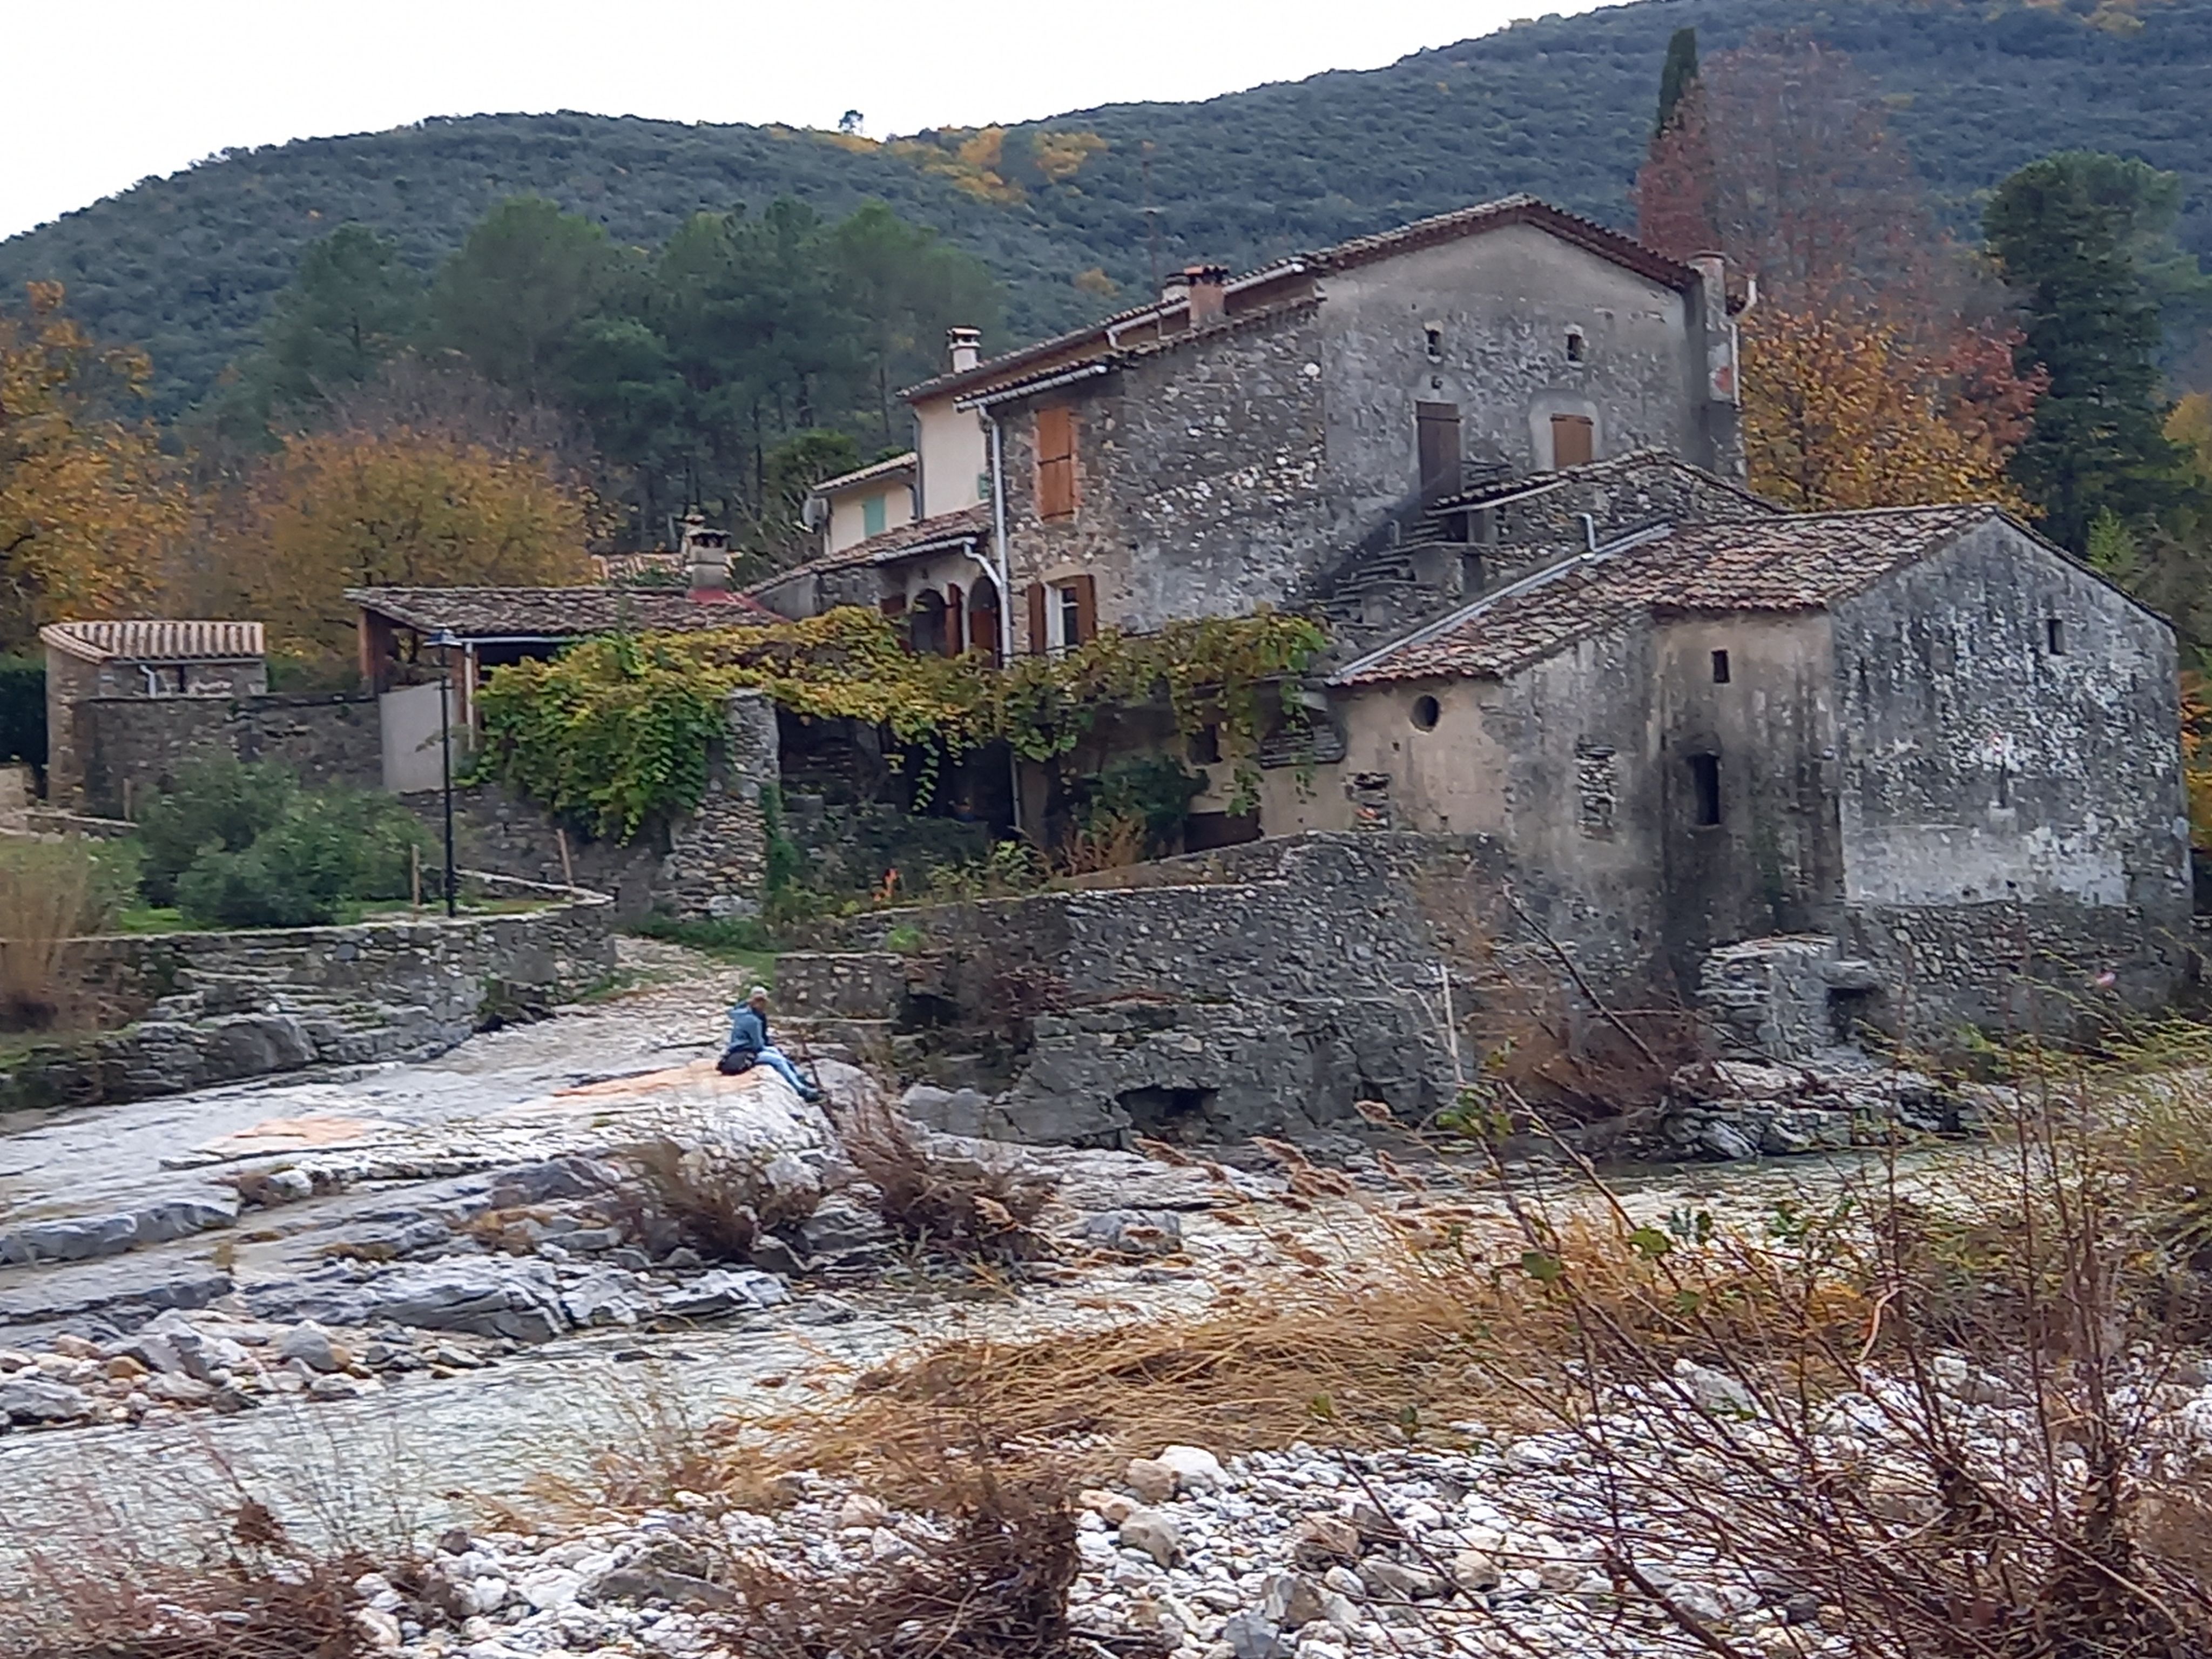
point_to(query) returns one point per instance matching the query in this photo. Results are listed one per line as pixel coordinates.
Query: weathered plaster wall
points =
(1772, 864)
(1979, 766)
(1503, 304)
(139, 744)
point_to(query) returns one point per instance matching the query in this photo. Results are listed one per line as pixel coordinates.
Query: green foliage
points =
(616, 731)
(190, 265)
(2113, 552)
(352, 308)
(242, 845)
(1155, 790)
(23, 709)
(512, 296)
(1676, 75)
(2064, 231)
(219, 804)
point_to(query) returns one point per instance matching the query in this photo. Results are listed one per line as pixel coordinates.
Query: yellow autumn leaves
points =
(89, 508)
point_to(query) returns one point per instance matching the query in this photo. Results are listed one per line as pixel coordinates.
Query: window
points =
(871, 516)
(1720, 668)
(2054, 636)
(1705, 786)
(1577, 346)
(1435, 337)
(1597, 789)
(1573, 440)
(1204, 748)
(1063, 615)
(1426, 713)
(1055, 462)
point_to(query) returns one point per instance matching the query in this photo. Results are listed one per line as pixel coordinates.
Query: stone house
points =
(1242, 441)
(134, 660)
(867, 501)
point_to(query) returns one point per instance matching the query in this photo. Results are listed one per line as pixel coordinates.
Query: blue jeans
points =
(773, 1058)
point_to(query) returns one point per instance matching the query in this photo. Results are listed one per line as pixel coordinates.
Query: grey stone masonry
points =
(216, 1007)
(1788, 996)
(131, 748)
(717, 862)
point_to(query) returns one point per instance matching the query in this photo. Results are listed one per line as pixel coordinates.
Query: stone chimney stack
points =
(707, 554)
(966, 345)
(1208, 286)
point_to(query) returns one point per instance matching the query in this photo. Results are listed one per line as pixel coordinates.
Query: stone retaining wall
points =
(131, 748)
(214, 1007)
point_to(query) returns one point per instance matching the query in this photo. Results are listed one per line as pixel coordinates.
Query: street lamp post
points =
(446, 642)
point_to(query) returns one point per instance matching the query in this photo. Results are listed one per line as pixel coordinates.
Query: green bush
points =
(23, 709)
(238, 846)
(220, 805)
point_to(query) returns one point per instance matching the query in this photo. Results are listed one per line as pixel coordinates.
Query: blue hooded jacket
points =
(748, 1030)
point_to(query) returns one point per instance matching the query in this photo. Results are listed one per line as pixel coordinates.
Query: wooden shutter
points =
(1436, 427)
(956, 618)
(1086, 609)
(1055, 445)
(1573, 440)
(892, 604)
(1040, 641)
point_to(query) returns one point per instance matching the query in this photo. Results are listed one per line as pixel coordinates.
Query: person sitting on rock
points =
(750, 1047)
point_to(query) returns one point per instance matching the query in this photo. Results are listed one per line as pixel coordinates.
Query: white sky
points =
(118, 90)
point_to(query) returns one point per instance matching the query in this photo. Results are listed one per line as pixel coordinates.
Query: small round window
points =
(1426, 713)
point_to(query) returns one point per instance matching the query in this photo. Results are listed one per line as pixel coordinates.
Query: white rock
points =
(1195, 1468)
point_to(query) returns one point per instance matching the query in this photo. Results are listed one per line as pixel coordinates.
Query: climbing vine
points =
(615, 731)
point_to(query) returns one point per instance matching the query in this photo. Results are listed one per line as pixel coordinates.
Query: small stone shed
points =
(1923, 732)
(138, 658)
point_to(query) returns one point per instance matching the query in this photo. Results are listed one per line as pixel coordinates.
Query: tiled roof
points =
(1519, 486)
(1796, 561)
(1055, 373)
(1586, 233)
(155, 640)
(922, 535)
(554, 613)
(890, 467)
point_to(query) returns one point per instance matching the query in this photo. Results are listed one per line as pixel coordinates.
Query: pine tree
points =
(2062, 231)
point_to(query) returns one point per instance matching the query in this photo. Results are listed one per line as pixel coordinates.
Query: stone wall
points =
(1259, 988)
(212, 1007)
(496, 831)
(717, 861)
(131, 748)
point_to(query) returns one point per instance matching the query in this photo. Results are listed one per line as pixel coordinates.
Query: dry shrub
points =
(267, 1598)
(47, 896)
(937, 1194)
(994, 1587)
(717, 1200)
(1112, 841)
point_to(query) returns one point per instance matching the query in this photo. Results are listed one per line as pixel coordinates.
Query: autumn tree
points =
(1874, 374)
(361, 508)
(87, 504)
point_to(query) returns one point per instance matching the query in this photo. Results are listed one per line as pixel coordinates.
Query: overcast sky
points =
(118, 90)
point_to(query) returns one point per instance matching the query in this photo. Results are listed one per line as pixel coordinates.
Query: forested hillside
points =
(188, 265)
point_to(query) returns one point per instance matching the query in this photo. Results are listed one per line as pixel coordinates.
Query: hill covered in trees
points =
(189, 266)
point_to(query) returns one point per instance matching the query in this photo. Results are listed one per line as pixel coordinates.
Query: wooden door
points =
(1438, 425)
(1572, 441)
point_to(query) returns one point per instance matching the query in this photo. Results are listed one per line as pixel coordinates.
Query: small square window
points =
(1720, 668)
(2054, 636)
(1577, 346)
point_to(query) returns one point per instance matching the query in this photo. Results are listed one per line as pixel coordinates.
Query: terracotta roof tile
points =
(155, 640)
(1359, 250)
(881, 548)
(555, 613)
(1797, 562)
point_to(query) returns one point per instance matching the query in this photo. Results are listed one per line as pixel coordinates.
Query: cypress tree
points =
(1676, 76)
(2062, 230)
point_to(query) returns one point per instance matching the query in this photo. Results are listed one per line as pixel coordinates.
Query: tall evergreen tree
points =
(2064, 231)
(1676, 76)
(353, 306)
(515, 293)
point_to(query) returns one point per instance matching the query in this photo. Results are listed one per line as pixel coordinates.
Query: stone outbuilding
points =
(137, 658)
(1923, 732)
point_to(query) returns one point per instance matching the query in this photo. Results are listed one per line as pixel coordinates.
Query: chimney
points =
(1207, 285)
(966, 345)
(1175, 289)
(706, 553)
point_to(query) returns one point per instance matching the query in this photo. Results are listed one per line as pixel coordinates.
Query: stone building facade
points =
(146, 664)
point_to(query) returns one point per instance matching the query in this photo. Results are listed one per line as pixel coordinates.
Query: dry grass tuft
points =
(971, 1202)
(717, 1200)
(45, 892)
(994, 1586)
(267, 1599)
